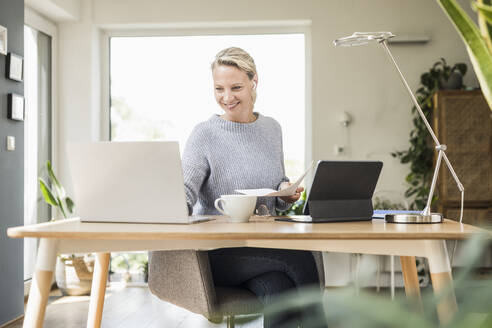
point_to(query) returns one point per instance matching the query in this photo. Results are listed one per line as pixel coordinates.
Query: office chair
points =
(184, 278)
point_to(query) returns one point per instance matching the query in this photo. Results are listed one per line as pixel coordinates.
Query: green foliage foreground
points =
(348, 308)
(477, 39)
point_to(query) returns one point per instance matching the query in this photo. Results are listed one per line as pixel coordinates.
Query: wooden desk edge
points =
(21, 232)
(13, 233)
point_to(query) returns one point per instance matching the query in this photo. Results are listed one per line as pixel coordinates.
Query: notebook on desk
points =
(341, 191)
(132, 182)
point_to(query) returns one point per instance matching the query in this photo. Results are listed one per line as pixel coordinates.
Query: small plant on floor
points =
(129, 266)
(55, 195)
(120, 265)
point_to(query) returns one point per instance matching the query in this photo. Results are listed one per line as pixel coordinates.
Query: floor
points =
(129, 307)
(134, 306)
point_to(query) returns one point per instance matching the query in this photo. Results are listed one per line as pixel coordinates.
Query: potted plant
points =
(130, 267)
(73, 273)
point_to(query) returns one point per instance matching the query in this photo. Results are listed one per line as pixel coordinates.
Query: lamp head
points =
(360, 38)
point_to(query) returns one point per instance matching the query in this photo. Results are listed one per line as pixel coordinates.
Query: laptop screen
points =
(128, 181)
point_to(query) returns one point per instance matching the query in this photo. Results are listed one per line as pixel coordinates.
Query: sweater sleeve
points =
(196, 168)
(281, 205)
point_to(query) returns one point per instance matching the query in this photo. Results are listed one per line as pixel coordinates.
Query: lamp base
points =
(413, 218)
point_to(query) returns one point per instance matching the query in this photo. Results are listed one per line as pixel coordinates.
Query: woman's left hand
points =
(292, 198)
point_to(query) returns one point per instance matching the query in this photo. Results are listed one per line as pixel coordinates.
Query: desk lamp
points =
(360, 38)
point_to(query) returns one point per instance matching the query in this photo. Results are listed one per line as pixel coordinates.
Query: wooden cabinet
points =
(462, 120)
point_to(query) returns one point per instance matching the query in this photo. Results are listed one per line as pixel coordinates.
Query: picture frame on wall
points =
(3, 40)
(15, 106)
(15, 67)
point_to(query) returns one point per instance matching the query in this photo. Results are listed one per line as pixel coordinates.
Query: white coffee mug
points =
(238, 207)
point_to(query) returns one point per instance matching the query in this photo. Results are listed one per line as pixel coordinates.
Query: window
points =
(161, 87)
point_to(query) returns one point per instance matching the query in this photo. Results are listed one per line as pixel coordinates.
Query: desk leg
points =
(41, 283)
(98, 290)
(411, 279)
(442, 281)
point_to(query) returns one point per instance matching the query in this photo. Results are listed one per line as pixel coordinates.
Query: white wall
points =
(56, 10)
(357, 80)
(79, 84)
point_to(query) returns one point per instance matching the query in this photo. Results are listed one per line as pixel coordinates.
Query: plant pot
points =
(454, 82)
(74, 274)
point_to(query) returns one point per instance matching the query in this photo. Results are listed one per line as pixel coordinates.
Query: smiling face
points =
(234, 92)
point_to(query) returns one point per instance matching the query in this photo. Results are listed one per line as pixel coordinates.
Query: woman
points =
(242, 149)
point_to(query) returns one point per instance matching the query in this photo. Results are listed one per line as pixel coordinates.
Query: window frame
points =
(35, 21)
(38, 22)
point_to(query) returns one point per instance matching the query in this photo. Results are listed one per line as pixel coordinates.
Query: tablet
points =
(342, 191)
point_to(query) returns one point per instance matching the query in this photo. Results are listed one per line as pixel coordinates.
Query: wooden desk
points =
(376, 237)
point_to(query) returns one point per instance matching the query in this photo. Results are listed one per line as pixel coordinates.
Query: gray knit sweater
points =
(222, 156)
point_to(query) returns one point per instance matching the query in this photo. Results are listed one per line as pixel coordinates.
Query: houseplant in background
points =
(73, 271)
(477, 39)
(130, 267)
(421, 152)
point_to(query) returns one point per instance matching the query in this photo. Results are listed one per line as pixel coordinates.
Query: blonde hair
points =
(238, 58)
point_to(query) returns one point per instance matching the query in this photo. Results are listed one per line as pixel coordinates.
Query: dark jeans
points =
(267, 273)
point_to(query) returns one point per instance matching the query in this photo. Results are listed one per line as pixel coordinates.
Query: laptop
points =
(341, 191)
(132, 182)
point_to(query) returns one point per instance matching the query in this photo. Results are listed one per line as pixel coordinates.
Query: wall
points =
(358, 80)
(57, 10)
(11, 172)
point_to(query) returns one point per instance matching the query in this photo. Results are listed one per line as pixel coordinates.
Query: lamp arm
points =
(439, 147)
(414, 100)
(453, 173)
(427, 208)
(458, 182)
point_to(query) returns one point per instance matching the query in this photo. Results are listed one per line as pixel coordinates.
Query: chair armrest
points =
(184, 278)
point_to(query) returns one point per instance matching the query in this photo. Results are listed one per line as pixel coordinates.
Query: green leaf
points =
(47, 194)
(461, 67)
(427, 80)
(52, 174)
(62, 208)
(487, 322)
(70, 204)
(60, 191)
(480, 55)
(55, 196)
(410, 192)
(486, 10)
